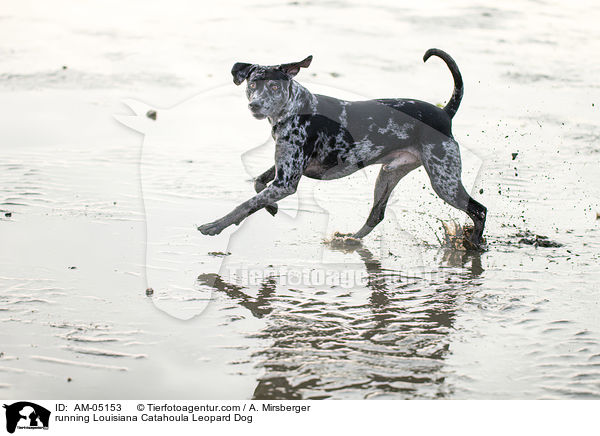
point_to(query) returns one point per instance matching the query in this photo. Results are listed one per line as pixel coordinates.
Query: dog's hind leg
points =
(389, 176)
(260, 183)
(443, 165)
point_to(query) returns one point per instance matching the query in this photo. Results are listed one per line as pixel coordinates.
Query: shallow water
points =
(98, 212)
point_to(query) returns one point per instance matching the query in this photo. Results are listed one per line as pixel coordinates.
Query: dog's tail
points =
(454, 102)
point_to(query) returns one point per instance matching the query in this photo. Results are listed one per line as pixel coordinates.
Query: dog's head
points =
(268, 87)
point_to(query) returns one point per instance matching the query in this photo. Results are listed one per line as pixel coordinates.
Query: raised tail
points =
(457, 94)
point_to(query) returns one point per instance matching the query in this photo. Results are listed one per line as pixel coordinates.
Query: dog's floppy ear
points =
(294, 68)
(240, 72)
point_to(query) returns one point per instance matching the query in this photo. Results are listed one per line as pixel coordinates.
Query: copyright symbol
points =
(140, 407)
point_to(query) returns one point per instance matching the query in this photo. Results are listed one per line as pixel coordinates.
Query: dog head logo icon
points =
(26, 415)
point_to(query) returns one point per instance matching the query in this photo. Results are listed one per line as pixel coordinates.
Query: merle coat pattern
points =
(326, 138)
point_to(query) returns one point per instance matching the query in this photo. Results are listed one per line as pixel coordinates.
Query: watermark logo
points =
(25, 415)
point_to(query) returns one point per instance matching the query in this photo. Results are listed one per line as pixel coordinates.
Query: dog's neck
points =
(300, 101)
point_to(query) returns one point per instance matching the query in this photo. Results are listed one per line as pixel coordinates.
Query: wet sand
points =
(93, 213)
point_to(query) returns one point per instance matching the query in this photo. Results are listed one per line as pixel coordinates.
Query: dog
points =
(325, 138)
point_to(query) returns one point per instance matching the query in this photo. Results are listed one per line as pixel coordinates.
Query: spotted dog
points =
(326, 138)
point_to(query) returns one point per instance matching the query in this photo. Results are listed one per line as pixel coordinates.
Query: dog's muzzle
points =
(256, 110)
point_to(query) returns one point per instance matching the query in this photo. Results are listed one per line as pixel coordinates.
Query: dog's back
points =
(423, 112)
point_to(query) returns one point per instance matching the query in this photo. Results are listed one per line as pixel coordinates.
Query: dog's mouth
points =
(258, 115)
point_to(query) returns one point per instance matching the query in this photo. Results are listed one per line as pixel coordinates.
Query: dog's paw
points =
(259, 186)
(211, 229)
(272, 209)
(474, 246)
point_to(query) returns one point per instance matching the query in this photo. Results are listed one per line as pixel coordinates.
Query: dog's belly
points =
(341, 161)
(400, 158)
(391, 161)
(316, 170)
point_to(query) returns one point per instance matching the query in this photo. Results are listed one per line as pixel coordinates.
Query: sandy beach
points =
(99, 202)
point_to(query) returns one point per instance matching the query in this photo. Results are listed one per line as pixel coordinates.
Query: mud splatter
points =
(529, 238)
(343, 240)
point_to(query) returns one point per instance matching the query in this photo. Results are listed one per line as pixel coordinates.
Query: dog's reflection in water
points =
(393, 345)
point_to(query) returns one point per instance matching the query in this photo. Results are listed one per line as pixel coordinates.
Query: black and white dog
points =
(326, 138)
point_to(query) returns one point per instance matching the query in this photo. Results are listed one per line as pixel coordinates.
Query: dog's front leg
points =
(260, 183)
(289, 166)
(269, 196)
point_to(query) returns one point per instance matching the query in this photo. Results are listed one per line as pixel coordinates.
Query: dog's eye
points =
(274, 87)
(252, 85)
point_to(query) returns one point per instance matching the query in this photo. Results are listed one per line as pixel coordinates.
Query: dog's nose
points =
(254, 105)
